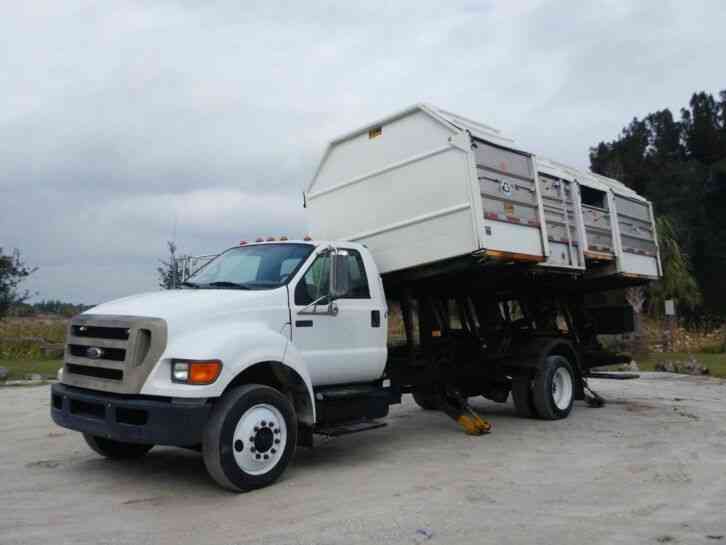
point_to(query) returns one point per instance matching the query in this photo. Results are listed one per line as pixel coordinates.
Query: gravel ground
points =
(649, 467)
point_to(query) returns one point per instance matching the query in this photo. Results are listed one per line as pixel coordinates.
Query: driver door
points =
(337, 346)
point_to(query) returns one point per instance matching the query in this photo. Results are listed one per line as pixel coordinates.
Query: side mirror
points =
(339, 278)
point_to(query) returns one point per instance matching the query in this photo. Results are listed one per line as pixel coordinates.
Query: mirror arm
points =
(314, 305)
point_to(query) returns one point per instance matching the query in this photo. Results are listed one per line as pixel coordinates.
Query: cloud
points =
(123, 120)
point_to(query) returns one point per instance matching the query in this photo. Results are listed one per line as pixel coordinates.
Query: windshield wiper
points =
(190, 284)
(227, 284)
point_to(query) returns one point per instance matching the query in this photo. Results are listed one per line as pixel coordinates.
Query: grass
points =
(716, 363)
(30, 339)
(19, 368)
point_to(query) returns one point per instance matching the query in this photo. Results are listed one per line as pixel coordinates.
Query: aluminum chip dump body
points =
(426, 185)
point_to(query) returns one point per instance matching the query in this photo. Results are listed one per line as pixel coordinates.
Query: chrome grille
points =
(112, 353)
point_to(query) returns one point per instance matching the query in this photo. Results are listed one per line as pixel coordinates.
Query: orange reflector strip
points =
(204, 372)
(510, 256)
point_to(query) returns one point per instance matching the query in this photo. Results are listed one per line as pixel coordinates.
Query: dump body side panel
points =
(560, 199)
(409, 207)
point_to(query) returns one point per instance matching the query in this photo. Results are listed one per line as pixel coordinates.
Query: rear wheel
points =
(553, 389)
(250, 437)
(117, 450)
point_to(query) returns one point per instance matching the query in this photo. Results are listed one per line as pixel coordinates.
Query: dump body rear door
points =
(511, 201)
(637, 235)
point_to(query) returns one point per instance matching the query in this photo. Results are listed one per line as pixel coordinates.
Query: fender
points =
(239, 345)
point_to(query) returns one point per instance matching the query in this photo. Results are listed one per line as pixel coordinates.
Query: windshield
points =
(263, 266)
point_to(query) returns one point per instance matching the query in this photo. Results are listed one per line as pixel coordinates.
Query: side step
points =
(346, 428)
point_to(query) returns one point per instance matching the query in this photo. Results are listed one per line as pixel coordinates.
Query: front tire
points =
(554, 388)
(250, 437)
(116, 450)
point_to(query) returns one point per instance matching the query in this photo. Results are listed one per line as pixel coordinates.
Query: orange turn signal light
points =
(195, 371)
(204, 372)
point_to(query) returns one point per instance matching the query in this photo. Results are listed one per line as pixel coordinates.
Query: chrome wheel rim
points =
(259, 439)
(562, 388)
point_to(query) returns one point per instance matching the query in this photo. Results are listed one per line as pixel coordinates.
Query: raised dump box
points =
(425, 185)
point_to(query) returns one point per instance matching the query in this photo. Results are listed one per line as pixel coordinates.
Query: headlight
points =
(195, 372)
(179, 371)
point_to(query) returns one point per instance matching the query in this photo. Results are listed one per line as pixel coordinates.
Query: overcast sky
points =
(126, 123)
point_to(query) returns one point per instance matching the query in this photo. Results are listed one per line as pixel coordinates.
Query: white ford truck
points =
(455, 265)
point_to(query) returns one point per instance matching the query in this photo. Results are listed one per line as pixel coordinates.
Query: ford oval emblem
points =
(94, 352)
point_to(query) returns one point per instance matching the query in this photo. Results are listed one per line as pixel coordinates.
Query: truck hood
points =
(192, 305)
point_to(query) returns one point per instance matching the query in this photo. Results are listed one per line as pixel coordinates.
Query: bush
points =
(717, 348)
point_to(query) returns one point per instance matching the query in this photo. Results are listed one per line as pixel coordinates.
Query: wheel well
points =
(283, 378)
(530, 356)
(567, 351)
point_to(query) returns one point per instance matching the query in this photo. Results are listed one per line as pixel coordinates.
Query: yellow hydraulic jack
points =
(456, 406)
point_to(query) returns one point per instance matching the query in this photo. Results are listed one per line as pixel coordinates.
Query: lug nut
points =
(266, 457)
(263, 423)
(273, 451)
(238, 445)
(257, 456)
(277, 441)
(277, 430)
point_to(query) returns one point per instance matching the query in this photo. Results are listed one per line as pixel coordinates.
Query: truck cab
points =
(243, 362)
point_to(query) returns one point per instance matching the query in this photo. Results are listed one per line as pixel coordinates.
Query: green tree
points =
(13, 271)
(170, 276)
(678, 282)
(702, 130)
(680, 165)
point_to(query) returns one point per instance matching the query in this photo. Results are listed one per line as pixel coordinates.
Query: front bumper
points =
(132, 419)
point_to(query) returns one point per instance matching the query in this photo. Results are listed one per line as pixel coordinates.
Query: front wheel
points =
(250, 437)
(553, 389)
(117, 450)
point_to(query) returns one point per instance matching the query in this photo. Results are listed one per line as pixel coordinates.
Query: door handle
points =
(375, 318)
(303, 323)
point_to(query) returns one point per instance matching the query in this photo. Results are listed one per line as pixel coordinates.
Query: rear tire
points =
(117, 450)
(554, 388)
(428, 402)
(523, 398)
(250, 437)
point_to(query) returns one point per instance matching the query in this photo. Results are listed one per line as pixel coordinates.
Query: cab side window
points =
(357, 279)
(315, 283)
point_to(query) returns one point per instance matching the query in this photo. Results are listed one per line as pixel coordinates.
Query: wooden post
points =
(670, 312)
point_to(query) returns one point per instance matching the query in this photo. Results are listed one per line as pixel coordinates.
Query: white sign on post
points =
(670, 307)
